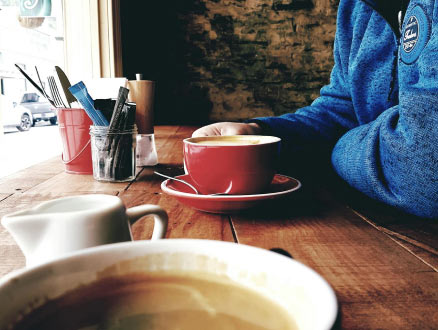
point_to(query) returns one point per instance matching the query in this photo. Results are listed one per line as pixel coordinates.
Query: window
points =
(80, 36)
(30, 97)
(31, 36)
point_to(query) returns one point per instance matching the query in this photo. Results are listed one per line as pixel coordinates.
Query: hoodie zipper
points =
(403, 6)
(397, 34)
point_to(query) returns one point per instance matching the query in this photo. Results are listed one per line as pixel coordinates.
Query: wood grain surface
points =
(382, 263)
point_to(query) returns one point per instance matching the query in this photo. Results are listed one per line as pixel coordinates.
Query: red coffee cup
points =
(237, 164)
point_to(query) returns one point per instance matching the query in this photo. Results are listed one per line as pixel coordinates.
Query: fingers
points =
(209, 130)
(240, 129)
(227, 128)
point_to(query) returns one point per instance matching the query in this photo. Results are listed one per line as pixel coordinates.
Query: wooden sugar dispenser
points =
(142, 93)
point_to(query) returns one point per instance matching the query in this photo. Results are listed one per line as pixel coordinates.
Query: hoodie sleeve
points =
(395, 157)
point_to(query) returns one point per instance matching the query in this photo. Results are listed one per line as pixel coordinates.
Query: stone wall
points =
(233, 59)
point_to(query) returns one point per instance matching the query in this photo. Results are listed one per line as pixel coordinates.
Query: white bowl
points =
(301, 291)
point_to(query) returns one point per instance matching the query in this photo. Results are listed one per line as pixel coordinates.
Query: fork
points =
(59, 103)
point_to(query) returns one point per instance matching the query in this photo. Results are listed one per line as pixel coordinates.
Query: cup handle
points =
(160, 218)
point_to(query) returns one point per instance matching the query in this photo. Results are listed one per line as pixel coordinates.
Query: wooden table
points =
(383, 264)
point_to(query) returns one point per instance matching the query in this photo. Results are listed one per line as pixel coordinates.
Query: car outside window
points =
(30, 97)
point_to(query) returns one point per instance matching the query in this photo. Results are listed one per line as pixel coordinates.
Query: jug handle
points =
(160, 218)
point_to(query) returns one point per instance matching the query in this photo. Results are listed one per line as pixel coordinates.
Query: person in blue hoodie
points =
(378, 117)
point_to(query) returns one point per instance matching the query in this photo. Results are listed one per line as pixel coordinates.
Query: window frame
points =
(92, 39)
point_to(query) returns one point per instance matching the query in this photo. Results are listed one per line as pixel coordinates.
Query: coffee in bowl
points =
(236, 164)
(160, 300)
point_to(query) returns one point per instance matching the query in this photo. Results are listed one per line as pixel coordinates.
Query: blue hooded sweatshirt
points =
(379, 115)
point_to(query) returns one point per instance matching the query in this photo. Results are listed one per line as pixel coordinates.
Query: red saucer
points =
(280, 186)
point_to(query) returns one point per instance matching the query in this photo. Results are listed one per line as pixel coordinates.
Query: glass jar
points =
(113, 153)
(146, 150)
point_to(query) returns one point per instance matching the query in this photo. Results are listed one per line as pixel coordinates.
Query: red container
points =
(74, 127)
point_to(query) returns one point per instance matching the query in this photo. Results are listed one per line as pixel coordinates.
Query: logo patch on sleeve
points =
(415, 35)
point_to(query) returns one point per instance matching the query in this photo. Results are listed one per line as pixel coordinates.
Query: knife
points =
(30, 80)
(42, 87)
(65, 84)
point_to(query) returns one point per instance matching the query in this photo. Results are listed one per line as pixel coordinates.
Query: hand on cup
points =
(228, 128)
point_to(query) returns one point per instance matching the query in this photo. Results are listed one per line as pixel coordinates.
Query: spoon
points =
(188, 184)
(179, 180)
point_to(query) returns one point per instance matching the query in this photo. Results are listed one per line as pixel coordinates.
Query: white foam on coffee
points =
(233, 140)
